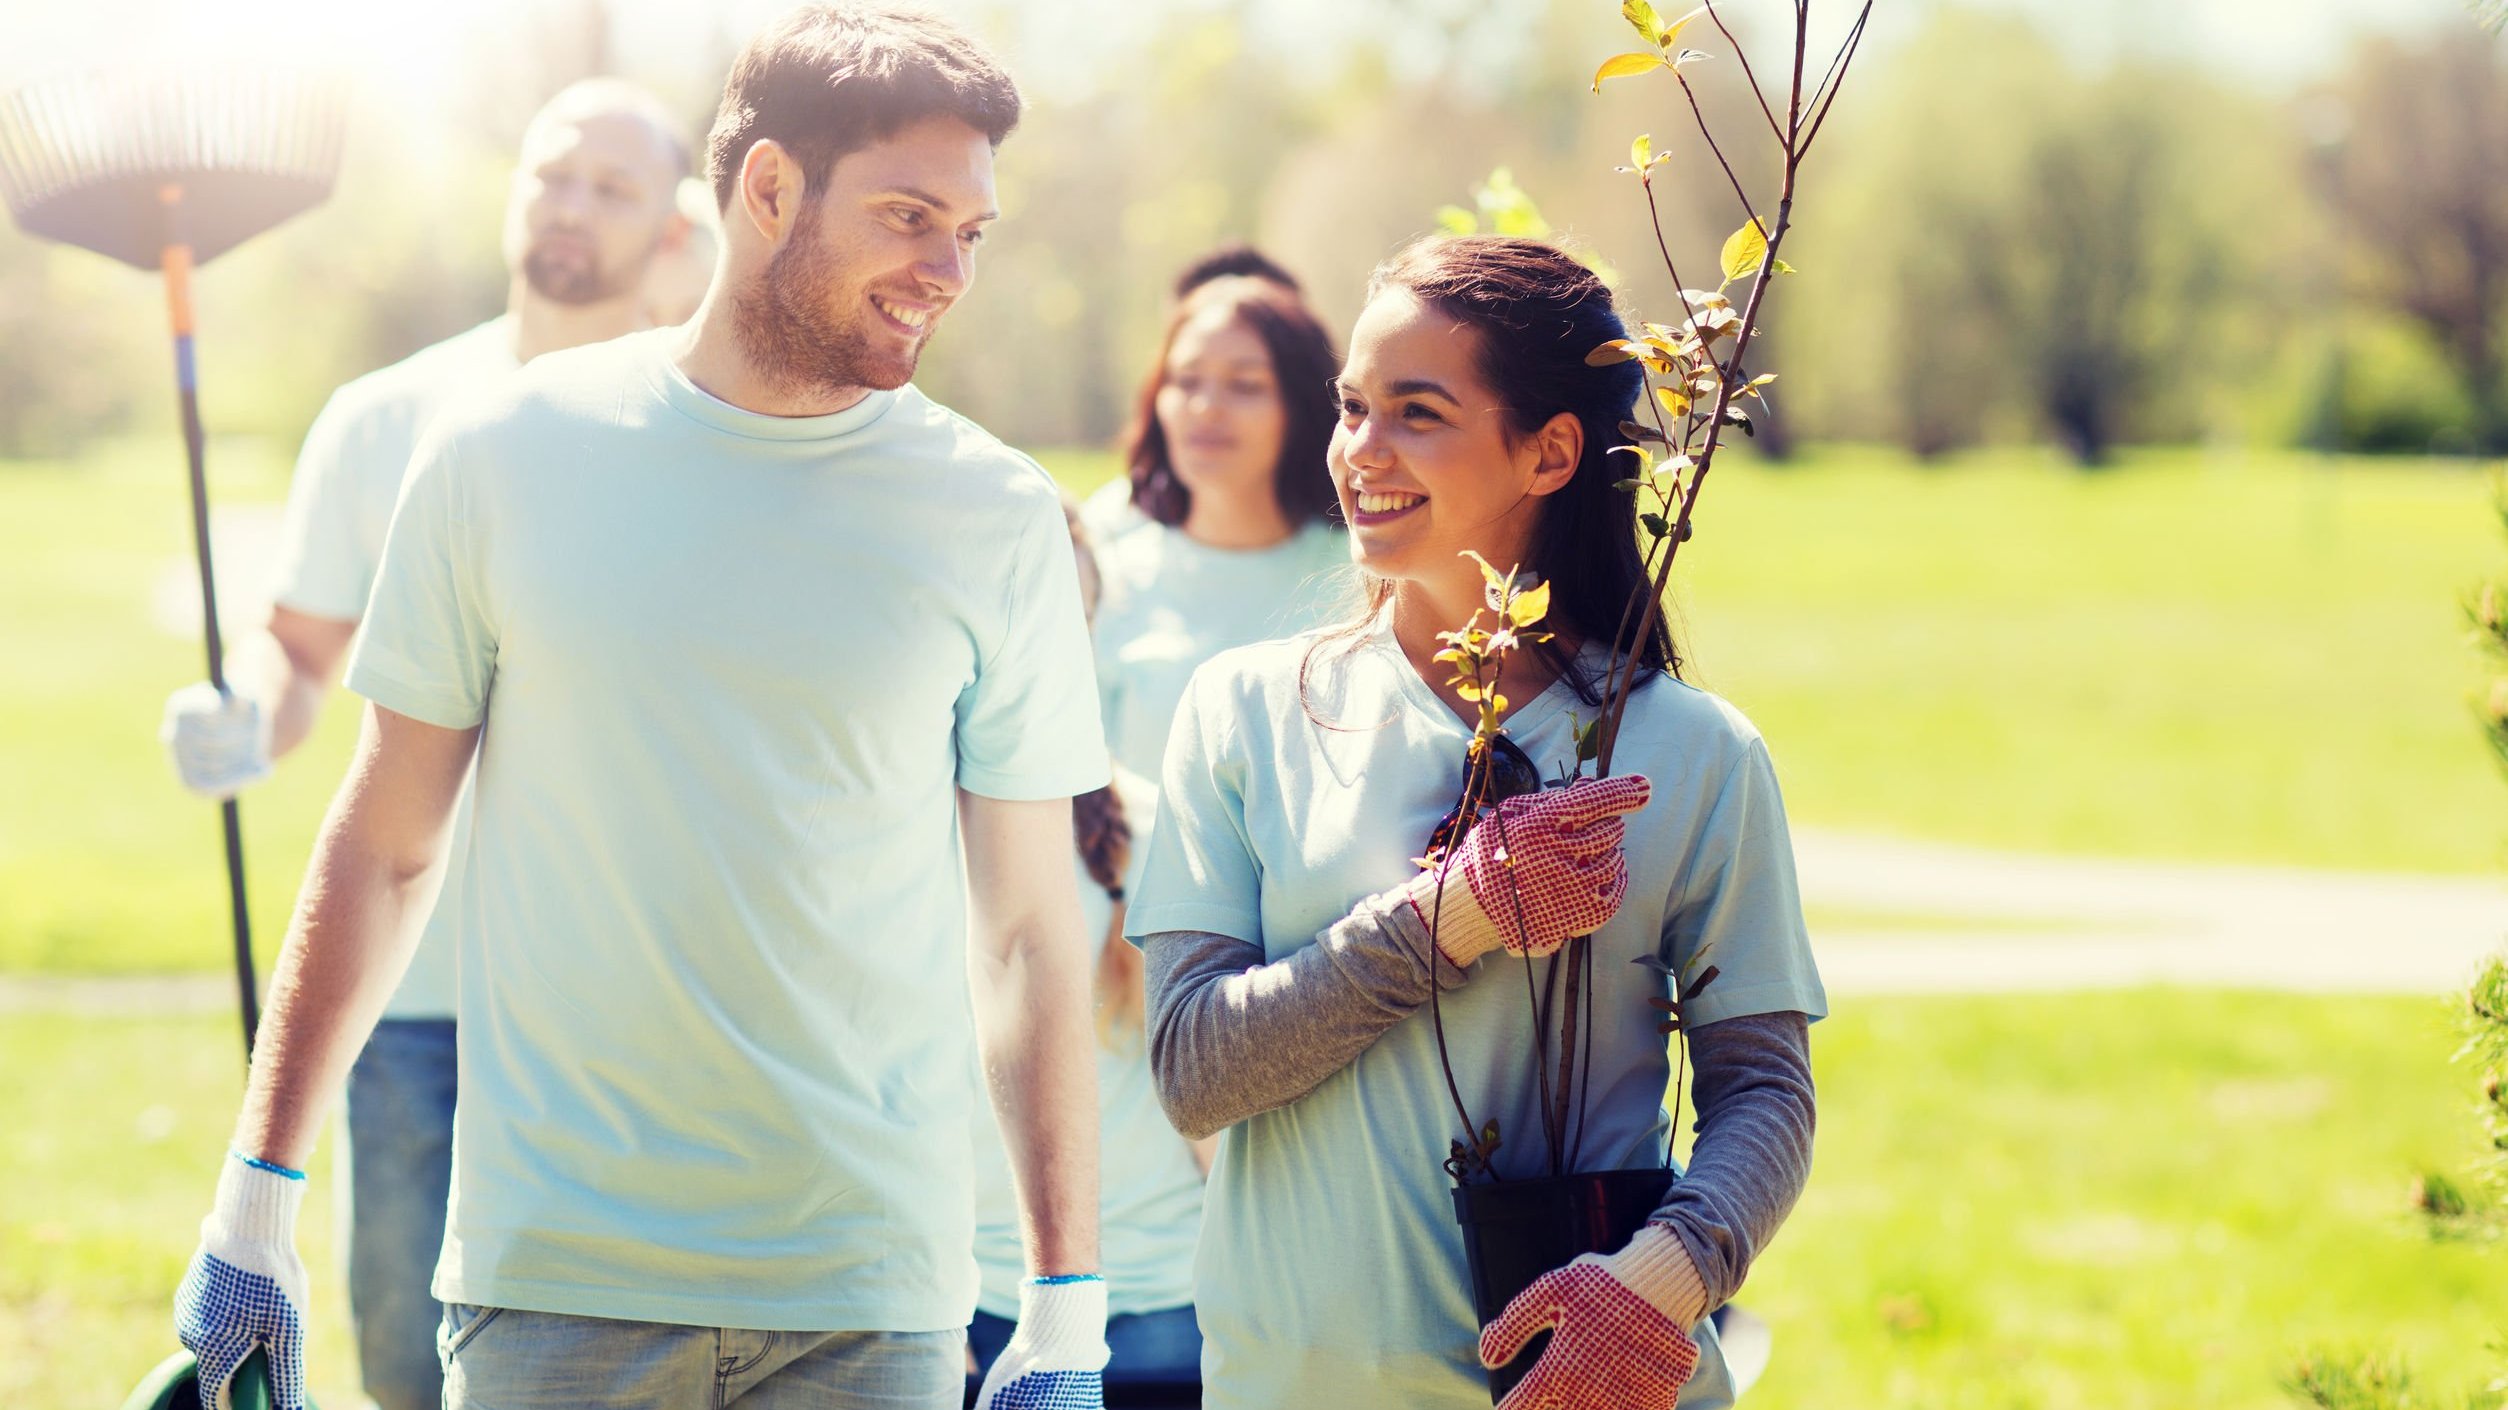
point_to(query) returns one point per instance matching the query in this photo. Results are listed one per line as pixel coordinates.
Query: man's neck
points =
(545, 326)
(709, 351)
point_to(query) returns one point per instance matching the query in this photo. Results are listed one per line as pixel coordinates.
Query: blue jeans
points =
(501, 1358)
(1148, 1346)
(400, 1141)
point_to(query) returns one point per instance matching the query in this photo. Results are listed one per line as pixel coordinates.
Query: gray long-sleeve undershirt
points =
(1231, 1036)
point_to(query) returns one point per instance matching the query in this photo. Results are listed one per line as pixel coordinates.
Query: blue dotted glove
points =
(1056, 1360)
(246, 1287)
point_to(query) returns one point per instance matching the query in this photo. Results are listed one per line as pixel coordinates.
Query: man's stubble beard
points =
(578, 285)
(789, 334)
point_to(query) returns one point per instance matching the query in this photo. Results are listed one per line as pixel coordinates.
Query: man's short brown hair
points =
(826, 80)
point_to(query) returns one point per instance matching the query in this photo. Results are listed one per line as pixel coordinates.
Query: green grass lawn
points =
(106, 1166)
(2152, 1199)
(2256, 659)
(2251, 659)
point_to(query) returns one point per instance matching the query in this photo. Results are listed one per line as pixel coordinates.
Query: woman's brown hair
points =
(1303, 362)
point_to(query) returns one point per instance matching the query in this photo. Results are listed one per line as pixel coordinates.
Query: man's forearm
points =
(356, 924)
(295, 657)
(260, 667)
(1040, 1061)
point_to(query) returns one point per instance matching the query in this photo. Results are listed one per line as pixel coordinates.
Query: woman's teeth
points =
(1385, 502)
(912, 318)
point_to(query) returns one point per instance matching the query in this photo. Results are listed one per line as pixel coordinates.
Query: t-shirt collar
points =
(707, 409)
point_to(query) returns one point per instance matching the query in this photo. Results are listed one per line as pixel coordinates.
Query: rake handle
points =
(177, 267)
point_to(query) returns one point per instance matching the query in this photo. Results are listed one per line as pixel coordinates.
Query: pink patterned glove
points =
(1557, 873)
(1616, 1329)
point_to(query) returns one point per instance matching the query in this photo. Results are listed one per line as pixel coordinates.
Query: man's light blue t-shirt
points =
(339, 507)
(1331, 1269)
(1172, 603)
(1149, 1200)
(710, 917)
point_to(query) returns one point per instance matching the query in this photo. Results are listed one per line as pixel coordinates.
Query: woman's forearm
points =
(1755, 1118)
(1231, 1036)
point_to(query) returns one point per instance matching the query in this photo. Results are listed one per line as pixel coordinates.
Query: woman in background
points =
(1239, 536)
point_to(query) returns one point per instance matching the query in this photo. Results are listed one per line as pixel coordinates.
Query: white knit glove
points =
(1057, 1358)
(246, 1288)
(220, 741)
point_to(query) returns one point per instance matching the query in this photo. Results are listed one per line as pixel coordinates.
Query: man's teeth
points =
(1384, 502)
(912, 318)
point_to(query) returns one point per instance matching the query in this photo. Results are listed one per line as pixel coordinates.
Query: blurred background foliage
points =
(2012, 236)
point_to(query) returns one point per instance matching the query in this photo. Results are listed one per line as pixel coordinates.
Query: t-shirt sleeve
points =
(428, 648)
(1027, 726)
(326, 558)
(1739, 908)
(1200, 872)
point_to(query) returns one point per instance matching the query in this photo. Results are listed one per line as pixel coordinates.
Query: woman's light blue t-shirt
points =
(1331, 1270)
(1172, 603)
(1149, 1186)
(710, 916)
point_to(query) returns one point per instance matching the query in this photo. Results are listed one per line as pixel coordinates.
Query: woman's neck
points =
(1245, 521)
(1421, 610)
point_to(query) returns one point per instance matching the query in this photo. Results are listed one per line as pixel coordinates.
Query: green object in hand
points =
(175, 1385)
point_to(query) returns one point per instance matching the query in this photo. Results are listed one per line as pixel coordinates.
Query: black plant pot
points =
(1516, 1230)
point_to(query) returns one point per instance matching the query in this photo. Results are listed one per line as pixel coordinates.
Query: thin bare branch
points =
(1742, 60)
(1839, 66)
(1829, 75)
(1712, 146)
(1794, 94)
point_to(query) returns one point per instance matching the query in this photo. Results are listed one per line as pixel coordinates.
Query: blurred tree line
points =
(2000, 242)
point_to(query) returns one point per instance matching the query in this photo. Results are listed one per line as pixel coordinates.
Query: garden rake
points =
(165, 172)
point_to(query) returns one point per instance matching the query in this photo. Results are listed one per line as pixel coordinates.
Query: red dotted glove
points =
(1616, 1330)
(1546, 866)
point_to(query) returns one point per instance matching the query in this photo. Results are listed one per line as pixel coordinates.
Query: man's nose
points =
(947, 267)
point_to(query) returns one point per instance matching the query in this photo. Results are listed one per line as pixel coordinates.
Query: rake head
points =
(90, 160)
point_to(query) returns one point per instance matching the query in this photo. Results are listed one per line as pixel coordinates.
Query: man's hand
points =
(246, 1288)
(1617, 1329)
(1057, 1358)
(224, 742)
(220, 741)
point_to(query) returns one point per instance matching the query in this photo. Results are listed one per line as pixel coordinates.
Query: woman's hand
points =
(1544, 867)
(1616, 1329)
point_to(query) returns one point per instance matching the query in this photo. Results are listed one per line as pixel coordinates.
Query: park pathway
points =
(1888, 916)
(1894, 917)
(1920, 917)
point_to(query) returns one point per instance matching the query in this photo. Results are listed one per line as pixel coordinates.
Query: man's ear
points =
(771, 190)
(1556, 448)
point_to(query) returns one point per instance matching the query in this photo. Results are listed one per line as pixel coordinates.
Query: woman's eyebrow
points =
(1418, 385)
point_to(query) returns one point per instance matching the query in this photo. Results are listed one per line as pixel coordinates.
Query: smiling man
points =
(590, 208)
(776, 681)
